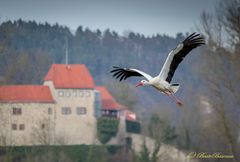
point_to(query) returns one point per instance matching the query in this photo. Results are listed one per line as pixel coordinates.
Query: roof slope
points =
(108, 102)
(25, 94)
(70, 76)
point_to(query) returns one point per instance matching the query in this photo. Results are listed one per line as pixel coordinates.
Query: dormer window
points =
(74, 93)
(81, 94)
(60, 93)
(88, 94)
(68, 94)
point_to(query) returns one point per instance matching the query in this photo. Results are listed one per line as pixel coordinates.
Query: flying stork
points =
(162, 82)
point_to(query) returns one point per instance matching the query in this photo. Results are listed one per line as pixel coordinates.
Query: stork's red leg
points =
(178, 102)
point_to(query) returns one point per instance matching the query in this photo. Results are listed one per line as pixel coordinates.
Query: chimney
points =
(66, 52)
(68, 67)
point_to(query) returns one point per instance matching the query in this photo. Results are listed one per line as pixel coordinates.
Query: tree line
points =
(27, 47)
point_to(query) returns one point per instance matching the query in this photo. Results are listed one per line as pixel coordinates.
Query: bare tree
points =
(219, 70)
(42, 132)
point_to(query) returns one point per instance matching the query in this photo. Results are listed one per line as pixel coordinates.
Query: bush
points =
(73, 153)
(106, 128)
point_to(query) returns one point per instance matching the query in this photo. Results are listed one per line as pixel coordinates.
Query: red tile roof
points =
(108, 102)
(25, 93)
(70, 76)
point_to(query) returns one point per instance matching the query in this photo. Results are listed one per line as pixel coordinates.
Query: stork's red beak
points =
(139, 84)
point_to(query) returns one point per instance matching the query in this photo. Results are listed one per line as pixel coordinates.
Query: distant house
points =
(61, 111)
(110, 108)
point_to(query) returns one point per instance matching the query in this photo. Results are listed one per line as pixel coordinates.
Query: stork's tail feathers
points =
(175, 87)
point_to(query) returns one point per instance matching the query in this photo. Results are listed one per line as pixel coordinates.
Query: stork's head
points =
(142, 83)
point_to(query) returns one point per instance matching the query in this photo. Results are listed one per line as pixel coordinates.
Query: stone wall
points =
(31, 125)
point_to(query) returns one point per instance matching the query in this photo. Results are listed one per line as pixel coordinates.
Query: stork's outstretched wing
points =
(124, 73)
(176, 56)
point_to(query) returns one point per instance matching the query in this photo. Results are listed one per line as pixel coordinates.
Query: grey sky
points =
(144, 16)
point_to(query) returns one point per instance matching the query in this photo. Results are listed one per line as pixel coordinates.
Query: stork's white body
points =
(160, 85)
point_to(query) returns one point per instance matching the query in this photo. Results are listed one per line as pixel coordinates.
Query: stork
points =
(162, 82)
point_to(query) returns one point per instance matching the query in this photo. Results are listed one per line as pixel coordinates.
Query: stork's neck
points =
(147, 83)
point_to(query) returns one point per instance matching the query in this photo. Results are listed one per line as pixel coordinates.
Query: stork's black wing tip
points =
(117, 73)
(115, 68)
(194, 39)
(123, 73)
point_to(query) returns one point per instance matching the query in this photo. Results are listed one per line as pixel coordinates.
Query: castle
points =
(63, 110)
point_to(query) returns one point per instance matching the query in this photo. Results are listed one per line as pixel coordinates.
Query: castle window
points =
(74, 93)
(14, 126)
(66, 110)
(16, 111)
(88, 94)
(81, 110)
(81, 94)
(43, 126)
(103, 112)
(60, 93)
(49, 111)
(68, 94)
(21, 127)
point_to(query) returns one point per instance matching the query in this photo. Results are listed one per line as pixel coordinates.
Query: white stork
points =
(162, 82)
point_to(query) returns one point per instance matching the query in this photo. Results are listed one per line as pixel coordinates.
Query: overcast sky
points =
(146, 17)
